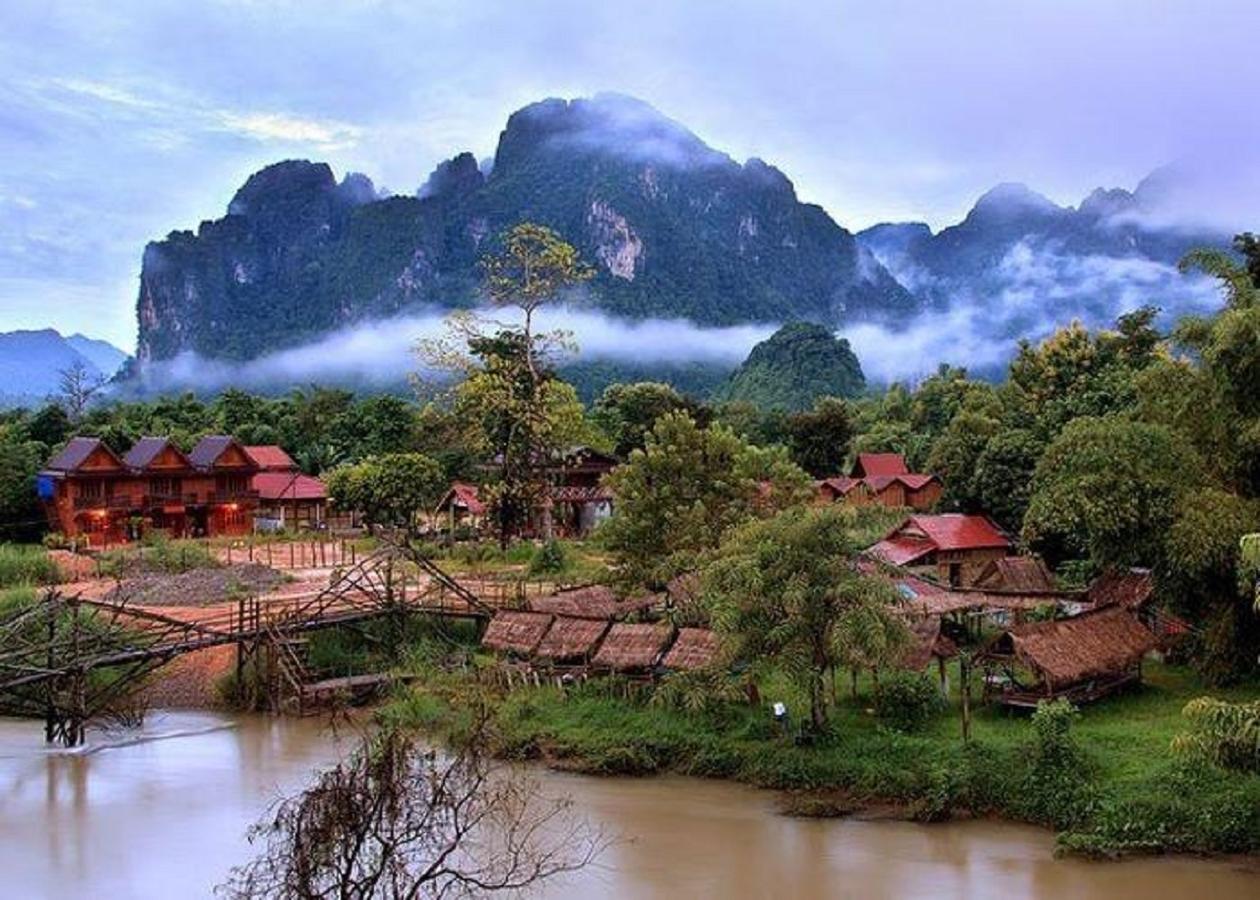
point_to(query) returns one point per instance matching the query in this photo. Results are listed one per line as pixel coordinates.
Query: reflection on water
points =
(165, 816)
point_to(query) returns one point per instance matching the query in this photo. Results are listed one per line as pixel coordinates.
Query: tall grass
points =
(22, 564)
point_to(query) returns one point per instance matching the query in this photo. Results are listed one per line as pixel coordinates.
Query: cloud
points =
(381, 353)
(325, 134)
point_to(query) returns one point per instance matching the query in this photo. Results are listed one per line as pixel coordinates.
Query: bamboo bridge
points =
(71, 660)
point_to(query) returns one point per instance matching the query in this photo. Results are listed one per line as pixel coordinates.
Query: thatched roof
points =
(684, 589)
(633, 647)
(596, 601)
(695, 648)
(1128, 588)
(511, 631)
(570, 639)
(1028, 574)
(927, 643)
(1094, 644)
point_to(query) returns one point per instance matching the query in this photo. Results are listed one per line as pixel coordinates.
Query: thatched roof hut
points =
(1128, 588)
(1020, 574)
(1082, 658)
(596, 601)
(512, 631)
(695, 648)
(633, 648)
(570, 640)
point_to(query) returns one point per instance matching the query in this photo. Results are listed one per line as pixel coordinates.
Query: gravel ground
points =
(198, 587)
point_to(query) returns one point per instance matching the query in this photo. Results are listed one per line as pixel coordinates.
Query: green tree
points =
(1004, 474)
(393, 490)
(627, 412)
(819, 439)
(20, 459)
(1107, 488)
(787, 593)
(689, 485)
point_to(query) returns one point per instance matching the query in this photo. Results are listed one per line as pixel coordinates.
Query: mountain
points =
(794, 366)
(1020, 263)
(31, 363)
(675, 229)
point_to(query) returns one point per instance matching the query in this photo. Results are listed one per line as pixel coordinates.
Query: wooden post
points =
(964, 661)
(291, 565)
(50, 707)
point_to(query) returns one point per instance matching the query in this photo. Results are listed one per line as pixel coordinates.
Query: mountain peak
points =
(1013, 198)
(278, 181)
(458, 175)
(607, 123)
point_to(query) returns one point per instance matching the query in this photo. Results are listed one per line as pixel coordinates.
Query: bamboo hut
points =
(633, 648)
(596, 601)
(1082, 658)
(695, 648)
(570, 641)
(516, 632)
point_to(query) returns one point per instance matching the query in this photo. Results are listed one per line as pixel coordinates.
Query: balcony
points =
(151, 500)
(241, 496)
(114, 501)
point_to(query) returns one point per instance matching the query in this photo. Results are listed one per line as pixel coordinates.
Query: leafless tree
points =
(398, 821)
(77, 385)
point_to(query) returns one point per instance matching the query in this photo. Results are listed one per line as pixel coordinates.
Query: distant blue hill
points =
(31, 363)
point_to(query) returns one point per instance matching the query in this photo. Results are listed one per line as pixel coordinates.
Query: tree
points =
(1004, 474)
(1107, 488)
(77, 385)
(392, 490)
(788, 593)
(399, 821)
(819, 439)
(20, 459)
(678, 495)
(956, 452)
(627, 412)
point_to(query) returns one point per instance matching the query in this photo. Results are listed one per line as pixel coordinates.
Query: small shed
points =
(694, 648)
(1021, 574)
(516, 632)
(926, 644)
(633, 648)
(570, 641)
(1131, 589)
(1081, 658)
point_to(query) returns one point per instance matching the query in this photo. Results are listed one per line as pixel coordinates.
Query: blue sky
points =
(123, 120)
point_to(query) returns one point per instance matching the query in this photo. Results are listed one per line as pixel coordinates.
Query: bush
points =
(25, 565)
(907, 701)
(1058, 787)
(1227, 734)
(549, 559)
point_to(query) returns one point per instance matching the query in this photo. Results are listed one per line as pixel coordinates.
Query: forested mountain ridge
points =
(674, 228)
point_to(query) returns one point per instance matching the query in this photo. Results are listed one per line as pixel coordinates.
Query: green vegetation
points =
(26, 565)
(793, 368)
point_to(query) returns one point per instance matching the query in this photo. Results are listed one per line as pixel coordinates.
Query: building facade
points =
(93, 494)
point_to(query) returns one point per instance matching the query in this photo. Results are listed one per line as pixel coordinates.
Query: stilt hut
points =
(596, 601)
(1081, 658)
(516, 633)
(694, 648)
(570, 641)
(928, 643)
(633, 649)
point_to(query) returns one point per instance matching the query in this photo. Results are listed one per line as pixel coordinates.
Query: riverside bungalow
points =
(633, 648)
(594, 601)
(91, 493)
(515, 632)
(570, 642)
(694, 648)
(959, 546)
(1081, 659)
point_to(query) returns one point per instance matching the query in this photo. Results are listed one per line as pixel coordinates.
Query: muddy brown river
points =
(163, 815)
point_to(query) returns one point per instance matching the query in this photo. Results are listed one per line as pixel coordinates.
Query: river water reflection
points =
(165, 817)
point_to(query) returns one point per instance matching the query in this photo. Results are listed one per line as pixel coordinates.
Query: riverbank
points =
(1122, 791)
(167, 816)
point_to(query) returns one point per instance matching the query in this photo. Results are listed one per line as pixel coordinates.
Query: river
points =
(164, 814)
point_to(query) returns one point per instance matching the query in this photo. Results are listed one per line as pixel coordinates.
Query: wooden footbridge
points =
(71, 660)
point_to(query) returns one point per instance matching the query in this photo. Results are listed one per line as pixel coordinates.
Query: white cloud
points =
(263, 126)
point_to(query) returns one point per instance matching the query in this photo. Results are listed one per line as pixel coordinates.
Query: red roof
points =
(955, 531)
(463, 495)
(271, 458)
(915, 481)
(901, 551)
(288, 486)
(879, 464)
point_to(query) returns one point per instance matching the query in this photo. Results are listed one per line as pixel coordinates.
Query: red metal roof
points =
(463, 495)
(955, 531)
(271, 458)
(900, 551)
(288, 486)
(879, 464)
(915, 481)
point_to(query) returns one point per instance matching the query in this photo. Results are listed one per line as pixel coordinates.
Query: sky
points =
(122, 121)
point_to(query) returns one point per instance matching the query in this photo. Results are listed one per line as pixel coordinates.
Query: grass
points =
(157, 554)
(26, 564)
(1125, 792)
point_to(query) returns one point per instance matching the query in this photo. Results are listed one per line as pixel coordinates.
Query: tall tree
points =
(819, 439)
(788, 592)
(77, 385)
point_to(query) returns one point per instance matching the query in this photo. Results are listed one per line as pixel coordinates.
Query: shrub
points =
(1227, 734)
(549, 558)
(907, 701)
(1058, 787)
(25, 565)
